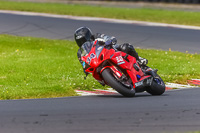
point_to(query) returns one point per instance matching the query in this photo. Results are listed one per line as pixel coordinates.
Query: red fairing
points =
(100, 58)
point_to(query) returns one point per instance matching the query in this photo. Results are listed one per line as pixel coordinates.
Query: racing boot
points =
(142, 62)
(149, 71)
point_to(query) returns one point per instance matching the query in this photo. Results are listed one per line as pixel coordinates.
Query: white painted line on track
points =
(110, 91)
(174, 85)
(102, 19)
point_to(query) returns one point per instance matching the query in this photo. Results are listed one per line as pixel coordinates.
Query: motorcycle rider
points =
(84, 35)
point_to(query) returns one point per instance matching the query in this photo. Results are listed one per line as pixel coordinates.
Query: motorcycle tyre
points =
(155, 88)
(111, 81)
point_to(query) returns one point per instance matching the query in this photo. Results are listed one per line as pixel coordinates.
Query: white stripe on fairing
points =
(101, 19)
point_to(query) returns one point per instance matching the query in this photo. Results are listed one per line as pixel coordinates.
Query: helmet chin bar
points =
(82, 35)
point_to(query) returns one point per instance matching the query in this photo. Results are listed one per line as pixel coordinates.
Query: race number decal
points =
(120, 60)
(92, 55)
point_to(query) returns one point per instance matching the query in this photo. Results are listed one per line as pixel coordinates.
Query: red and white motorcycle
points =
(119, 71)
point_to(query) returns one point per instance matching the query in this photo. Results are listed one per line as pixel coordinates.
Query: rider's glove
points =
(113, 40)
(101, 41)
(110, 40)
(106, 41)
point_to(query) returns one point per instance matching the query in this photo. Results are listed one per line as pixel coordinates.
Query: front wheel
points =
(116, 84)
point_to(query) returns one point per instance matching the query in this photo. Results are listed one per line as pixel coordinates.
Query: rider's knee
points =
(127, 47)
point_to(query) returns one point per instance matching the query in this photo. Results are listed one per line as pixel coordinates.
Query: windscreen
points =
(85, 48)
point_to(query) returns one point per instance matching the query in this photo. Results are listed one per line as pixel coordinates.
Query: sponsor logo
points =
(120, 63)
(78, 37)
(138, 83)
(149, 81)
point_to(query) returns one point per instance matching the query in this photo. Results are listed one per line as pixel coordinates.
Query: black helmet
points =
(82, 35)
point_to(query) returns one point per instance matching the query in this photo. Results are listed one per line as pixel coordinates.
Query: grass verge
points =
(151, 15)
(43, 68)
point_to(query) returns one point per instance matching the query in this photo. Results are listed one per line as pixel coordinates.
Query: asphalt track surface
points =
(175, 111)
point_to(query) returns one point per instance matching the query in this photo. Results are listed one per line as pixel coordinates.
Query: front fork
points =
(114, 70)
(120, 76)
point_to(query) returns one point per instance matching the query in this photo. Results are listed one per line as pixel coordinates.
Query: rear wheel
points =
(122, 87)
(157, 87)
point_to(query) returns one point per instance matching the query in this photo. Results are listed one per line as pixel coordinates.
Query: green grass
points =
(43, 68)
(173, 66)
(39, 68)
(142, 14)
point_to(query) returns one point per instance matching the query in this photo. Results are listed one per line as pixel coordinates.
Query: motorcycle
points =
(119, 70)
